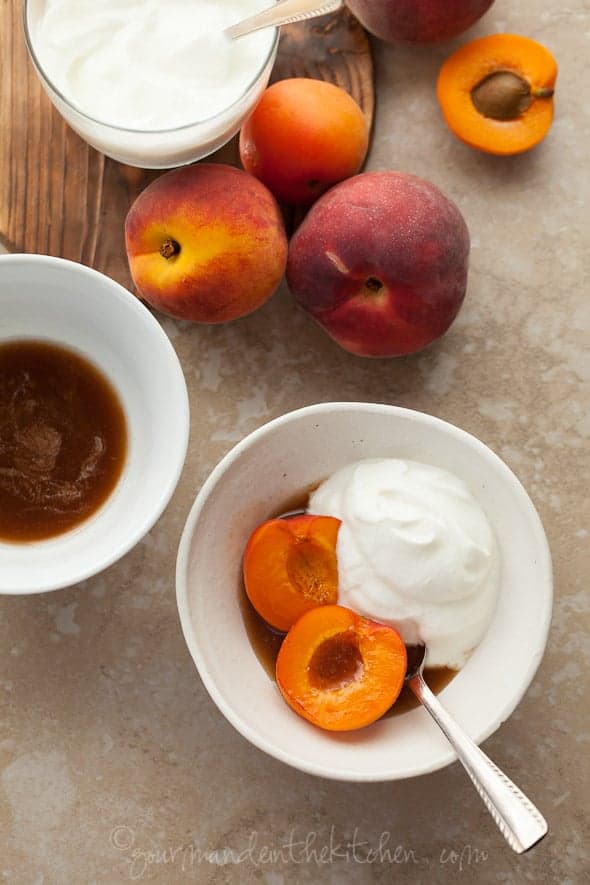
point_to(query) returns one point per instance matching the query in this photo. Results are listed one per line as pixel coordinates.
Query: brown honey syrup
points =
(63, 440)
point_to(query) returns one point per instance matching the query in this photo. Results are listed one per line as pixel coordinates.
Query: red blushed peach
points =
(417, 21)
(380, 261)
(206, 243)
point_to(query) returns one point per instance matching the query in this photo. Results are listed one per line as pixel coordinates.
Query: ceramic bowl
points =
(72, 305)
(267, 470)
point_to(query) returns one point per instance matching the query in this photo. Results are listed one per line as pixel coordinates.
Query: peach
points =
(304, 136)
(290, 567)
(380, 262)
(206, 243)
(417, 21)
(339, 670)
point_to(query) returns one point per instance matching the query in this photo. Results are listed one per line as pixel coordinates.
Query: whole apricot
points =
(206, 243)
(304, 136)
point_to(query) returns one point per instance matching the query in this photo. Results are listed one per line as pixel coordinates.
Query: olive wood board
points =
(58, 196)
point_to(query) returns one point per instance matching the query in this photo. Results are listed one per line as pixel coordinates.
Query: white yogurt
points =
(415, 550)
(149, 65)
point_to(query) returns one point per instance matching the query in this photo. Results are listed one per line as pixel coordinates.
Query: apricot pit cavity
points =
(336, 662)
(312, 571)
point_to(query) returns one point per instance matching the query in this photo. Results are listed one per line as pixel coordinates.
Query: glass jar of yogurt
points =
(150, 84)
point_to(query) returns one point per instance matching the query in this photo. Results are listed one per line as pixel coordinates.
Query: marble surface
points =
(114, 763)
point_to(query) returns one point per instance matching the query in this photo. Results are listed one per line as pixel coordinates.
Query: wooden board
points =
(60, 197)
(335, 48)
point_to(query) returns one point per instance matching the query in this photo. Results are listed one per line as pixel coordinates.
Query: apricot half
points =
(496, 93)
(290, 567)
(339, 670)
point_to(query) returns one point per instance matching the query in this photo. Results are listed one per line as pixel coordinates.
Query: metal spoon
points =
(521, 824)
(283, 13)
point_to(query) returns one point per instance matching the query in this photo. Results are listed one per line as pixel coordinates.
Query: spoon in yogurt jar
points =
(284, 12)
(521, 824)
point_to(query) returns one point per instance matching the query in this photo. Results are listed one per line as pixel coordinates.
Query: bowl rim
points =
(182, 588)
(48, 82)
(183, 429)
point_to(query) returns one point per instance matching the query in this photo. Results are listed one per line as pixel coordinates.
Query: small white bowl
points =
(263, 473)
(72, 305)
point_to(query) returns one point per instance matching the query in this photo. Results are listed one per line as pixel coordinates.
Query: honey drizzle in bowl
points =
(63, 440)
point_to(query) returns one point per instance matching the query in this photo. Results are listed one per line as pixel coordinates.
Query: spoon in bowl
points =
(521, 824)
(283, 13)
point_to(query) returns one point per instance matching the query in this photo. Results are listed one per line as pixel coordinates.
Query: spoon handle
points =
(283, 13)
(521, 824)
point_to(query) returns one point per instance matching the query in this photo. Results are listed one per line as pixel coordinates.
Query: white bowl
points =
(254, 481)
(69, 304)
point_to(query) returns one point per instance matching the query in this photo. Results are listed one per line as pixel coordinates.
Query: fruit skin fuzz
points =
(380, 262)
(496, 93)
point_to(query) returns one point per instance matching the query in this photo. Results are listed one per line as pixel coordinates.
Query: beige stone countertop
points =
(114, 763)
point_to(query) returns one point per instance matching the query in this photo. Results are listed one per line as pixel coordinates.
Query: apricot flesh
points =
(339, 670)
(290, 567)
(496, 93)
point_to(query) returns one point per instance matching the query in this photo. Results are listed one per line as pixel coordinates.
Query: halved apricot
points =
(290, 567)
(496, 93)
(340, 670)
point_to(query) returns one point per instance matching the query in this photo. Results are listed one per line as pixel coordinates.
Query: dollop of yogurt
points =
(149, 64)
(415, 550)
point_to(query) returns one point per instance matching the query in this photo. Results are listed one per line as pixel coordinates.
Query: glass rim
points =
(130, 130)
